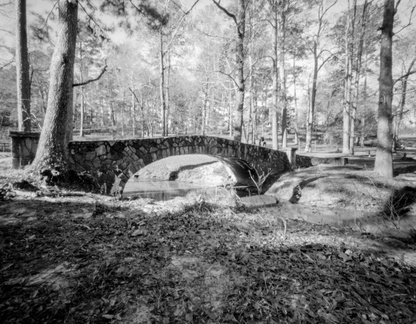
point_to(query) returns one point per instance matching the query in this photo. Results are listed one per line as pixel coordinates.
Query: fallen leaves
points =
(112, 263)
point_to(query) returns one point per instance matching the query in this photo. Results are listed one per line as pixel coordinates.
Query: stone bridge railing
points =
(112, 162)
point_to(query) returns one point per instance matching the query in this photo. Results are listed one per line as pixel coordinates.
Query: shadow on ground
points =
(93, 262)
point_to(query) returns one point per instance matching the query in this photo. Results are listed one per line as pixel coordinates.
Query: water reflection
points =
(163, 189)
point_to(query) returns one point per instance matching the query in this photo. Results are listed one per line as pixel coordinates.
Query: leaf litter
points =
(98, 260)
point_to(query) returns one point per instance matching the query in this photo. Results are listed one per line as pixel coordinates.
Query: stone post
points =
(24, 146)
(291, 155)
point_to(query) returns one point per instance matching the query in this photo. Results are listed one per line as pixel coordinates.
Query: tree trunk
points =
(347, 87)
(205, 108)
(230, 114)
(282, 72)
(363, 118)
(402, 103)
(142, 110)
(122, 114)
(275, 76)
(162, 84)
(22, 69)
(82, 109)
(133, 115)
(311, 111)
(52, 151)
(384, 159)
(295, 100)
(353, 102)
(82, 113)
(239, 116)
(358, 72)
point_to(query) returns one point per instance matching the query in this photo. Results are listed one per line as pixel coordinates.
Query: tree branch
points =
(6, 31)
(229, 14)
(228, 75)
(405, 76)
(6, 64)
(92, 18)
(91, 80)
(410, 19)
(137, 99)
(190, 9)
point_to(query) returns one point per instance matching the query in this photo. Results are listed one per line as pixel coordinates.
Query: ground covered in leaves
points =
(98, 260)
(95, 259)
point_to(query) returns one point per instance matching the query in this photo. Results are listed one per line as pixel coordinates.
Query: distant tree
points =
(318, 51)
(22, 69)
(239, 19)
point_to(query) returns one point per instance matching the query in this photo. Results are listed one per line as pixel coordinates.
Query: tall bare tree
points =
(318, 62)
(239, 19)
(22, 69)
(384, 159)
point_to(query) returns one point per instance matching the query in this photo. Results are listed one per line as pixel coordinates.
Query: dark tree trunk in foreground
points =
(22, 69)
(53, 143)
(384, 159)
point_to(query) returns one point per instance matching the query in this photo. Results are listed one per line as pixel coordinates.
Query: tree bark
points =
(384, 159)
(240, 23)
(364, 105)
(282, 72)
(311, 111)
(239, 116)
(295, 101)
(357, 73)
(162, 84)
(133, 114)
(347, 85)
(22, 69)
(402, 103)
(275, 76)
(52, 151)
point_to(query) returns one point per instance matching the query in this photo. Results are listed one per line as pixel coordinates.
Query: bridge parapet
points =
(112, 163)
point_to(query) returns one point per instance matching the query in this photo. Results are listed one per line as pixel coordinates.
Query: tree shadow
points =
(89, 262)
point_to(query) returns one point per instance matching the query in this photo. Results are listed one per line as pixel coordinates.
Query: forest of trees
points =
(241, 68)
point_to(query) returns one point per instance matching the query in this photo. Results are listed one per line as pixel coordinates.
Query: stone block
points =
(101, 150)
(141, 163)
(89, 156)
(143, 150)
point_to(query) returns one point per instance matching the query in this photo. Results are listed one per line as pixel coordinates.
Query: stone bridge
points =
(112, 163)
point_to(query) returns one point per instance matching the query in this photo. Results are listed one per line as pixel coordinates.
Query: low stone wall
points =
(112, 163)
(24, 146)
(303, 161)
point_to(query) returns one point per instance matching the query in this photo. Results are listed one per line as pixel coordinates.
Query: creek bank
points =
(350, 196)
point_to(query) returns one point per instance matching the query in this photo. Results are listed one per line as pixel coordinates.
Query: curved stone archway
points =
(112, 163)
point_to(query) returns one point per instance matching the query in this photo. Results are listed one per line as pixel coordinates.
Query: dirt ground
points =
(77, 257)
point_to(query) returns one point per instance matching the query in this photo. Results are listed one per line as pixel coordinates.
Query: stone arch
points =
(239, 172)
(111, 163)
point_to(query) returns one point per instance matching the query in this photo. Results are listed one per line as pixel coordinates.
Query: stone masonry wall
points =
(112, 163)
(24, 146)
(303, 161)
